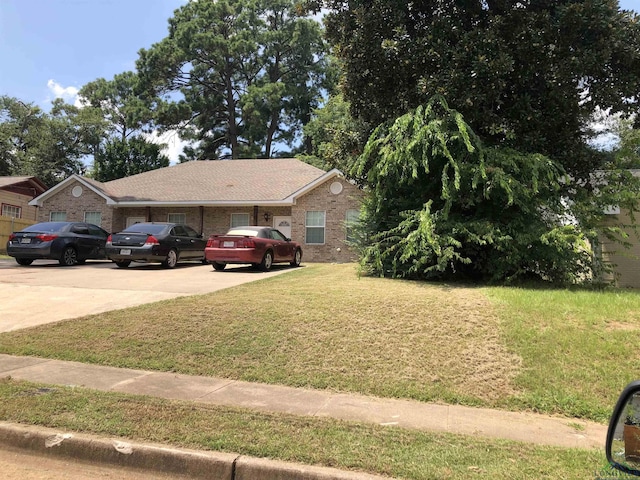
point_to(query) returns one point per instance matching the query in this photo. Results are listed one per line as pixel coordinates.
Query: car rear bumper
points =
(32, 252)
(152, 254)
(232, 255)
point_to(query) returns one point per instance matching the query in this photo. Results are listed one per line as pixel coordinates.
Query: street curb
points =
(193, 463)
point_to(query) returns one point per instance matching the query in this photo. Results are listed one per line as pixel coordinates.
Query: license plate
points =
(228, 244)
(125, 251)
(25, 240)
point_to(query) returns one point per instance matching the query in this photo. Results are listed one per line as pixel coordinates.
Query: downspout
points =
(255, 215)
(201, 220)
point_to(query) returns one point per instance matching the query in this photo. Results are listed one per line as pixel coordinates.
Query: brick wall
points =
(75, 207)
(215, 220)
(335, 206)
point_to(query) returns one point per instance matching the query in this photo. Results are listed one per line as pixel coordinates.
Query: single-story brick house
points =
(309, 205)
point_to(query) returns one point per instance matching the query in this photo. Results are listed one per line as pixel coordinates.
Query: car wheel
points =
(171, 260)
(123, 263)
(267, 261)
(24, 261)
(218, 266)
(69, 257)
(297, 258)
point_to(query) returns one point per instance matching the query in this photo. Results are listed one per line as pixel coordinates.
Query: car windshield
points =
(146, 228)
(46, 227)
(243, 232)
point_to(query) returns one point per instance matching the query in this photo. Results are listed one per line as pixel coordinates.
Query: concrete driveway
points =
(46, 292)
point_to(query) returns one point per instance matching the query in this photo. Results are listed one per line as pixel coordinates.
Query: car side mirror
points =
(623, 435)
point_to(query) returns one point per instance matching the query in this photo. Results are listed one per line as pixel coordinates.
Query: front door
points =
(283, 224)
(134, 220)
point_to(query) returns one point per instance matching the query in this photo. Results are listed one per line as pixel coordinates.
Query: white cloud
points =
(68, 94)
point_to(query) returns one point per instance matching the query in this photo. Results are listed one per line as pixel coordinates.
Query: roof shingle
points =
(217, 180)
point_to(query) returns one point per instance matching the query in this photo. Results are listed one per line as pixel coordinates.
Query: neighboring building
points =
(309, 205)
(626, 261)
(15, 195)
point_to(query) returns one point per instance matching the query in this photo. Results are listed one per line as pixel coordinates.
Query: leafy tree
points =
(336, 138)
(20, 123)
(525, 74)
(118, 158)
(628, 150)
(247, 74)
(125, 108)
(49, 146)
(441, 205)
(128, 113)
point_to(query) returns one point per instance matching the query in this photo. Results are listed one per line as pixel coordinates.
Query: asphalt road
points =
(45, 292)
(22, 465)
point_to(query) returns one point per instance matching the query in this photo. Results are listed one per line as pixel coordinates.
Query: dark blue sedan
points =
(70, 243)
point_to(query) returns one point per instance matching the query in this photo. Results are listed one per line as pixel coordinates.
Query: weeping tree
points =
(442, 206)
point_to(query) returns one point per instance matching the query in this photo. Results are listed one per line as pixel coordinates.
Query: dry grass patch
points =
(560, 351)
(320, 326)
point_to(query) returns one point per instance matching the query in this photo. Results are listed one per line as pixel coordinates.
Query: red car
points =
(258, 246)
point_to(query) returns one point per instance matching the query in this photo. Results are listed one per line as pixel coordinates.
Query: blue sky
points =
(47, 46)
(51, 48)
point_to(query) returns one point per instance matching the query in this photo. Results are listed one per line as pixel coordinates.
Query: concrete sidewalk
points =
(524, 427)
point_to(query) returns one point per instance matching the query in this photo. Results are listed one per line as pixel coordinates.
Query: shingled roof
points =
(24, 185)
(213, 182)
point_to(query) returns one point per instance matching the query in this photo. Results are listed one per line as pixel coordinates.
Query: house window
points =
(314, 227)
(58, 216)
(351, 219)
(93, 217)
(11, 211)
(239, 220)
(179, 218)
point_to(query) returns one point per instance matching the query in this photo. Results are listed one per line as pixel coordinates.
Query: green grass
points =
(320, 441)
(578, 347)
(554, 351)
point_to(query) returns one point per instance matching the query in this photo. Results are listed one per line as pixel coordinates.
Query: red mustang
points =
(259, 246)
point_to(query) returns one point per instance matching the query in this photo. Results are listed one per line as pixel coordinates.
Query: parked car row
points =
(73, 243)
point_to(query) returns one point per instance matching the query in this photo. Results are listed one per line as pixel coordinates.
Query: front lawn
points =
(554, 351)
